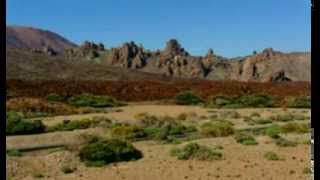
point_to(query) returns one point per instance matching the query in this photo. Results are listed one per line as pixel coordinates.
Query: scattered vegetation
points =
(188, 98)
(272, 156)
(128, 132)
(229, 115)
(55, 97)
(295, 128)
(282, 142)
(16, 125)
(300, 102)
(196, 151)
(252, 120)
(283, 117)
(107, 151)
(245, 138)
(88, 100)
(13, 152)
(68, 125)
(257, 100)
(217, 128)
(273, 131)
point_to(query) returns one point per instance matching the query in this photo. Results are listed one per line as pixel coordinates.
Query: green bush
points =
(88, 100)
(15, 125)
(224, 100)
(107, 151)
(188, 98)
(273, 131)
(272, 156)
(217, 128)
(128, 132)
(285, 143)
(13, 152)
(295, 128)
(258, 100)
(195, 151)
(146, 120)
(301, 102)
(168, 131)
(55, 97)
(68, 125)
(245, 138)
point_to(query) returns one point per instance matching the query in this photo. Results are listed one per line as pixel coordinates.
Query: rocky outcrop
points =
(172, 61)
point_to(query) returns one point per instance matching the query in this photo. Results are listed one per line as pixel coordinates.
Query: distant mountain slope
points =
(31, 38)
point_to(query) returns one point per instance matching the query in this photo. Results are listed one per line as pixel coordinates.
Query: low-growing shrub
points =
(273, 131)
(128, 132)
(300, 102)
(245, 138)
(15, 125)
(299, 117)
(257, 100)
(107, 151)
(146, 120)
(188, 98)
(229, 115)
(284, 117)
(217, 128)
(295, 128)
(272, 156)
(68, 125)
(168, 131)
(13, 152)
(55, 97)
(196, 151)
(89, 100)
(255, 114)
(282, 142)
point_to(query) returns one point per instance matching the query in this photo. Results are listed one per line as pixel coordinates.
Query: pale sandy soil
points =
(128, 113)
(239, 161)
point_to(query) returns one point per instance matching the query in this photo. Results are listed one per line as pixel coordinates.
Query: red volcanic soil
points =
(153, 90)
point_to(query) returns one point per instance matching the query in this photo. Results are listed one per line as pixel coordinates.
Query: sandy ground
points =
(128, 112)
(239, 161)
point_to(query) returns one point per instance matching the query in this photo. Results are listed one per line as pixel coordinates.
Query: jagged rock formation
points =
(129, 55)
(174, 61)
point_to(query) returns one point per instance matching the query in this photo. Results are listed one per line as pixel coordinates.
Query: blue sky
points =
(230, 27)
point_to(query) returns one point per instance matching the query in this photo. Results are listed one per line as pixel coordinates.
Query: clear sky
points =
(230, 27)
